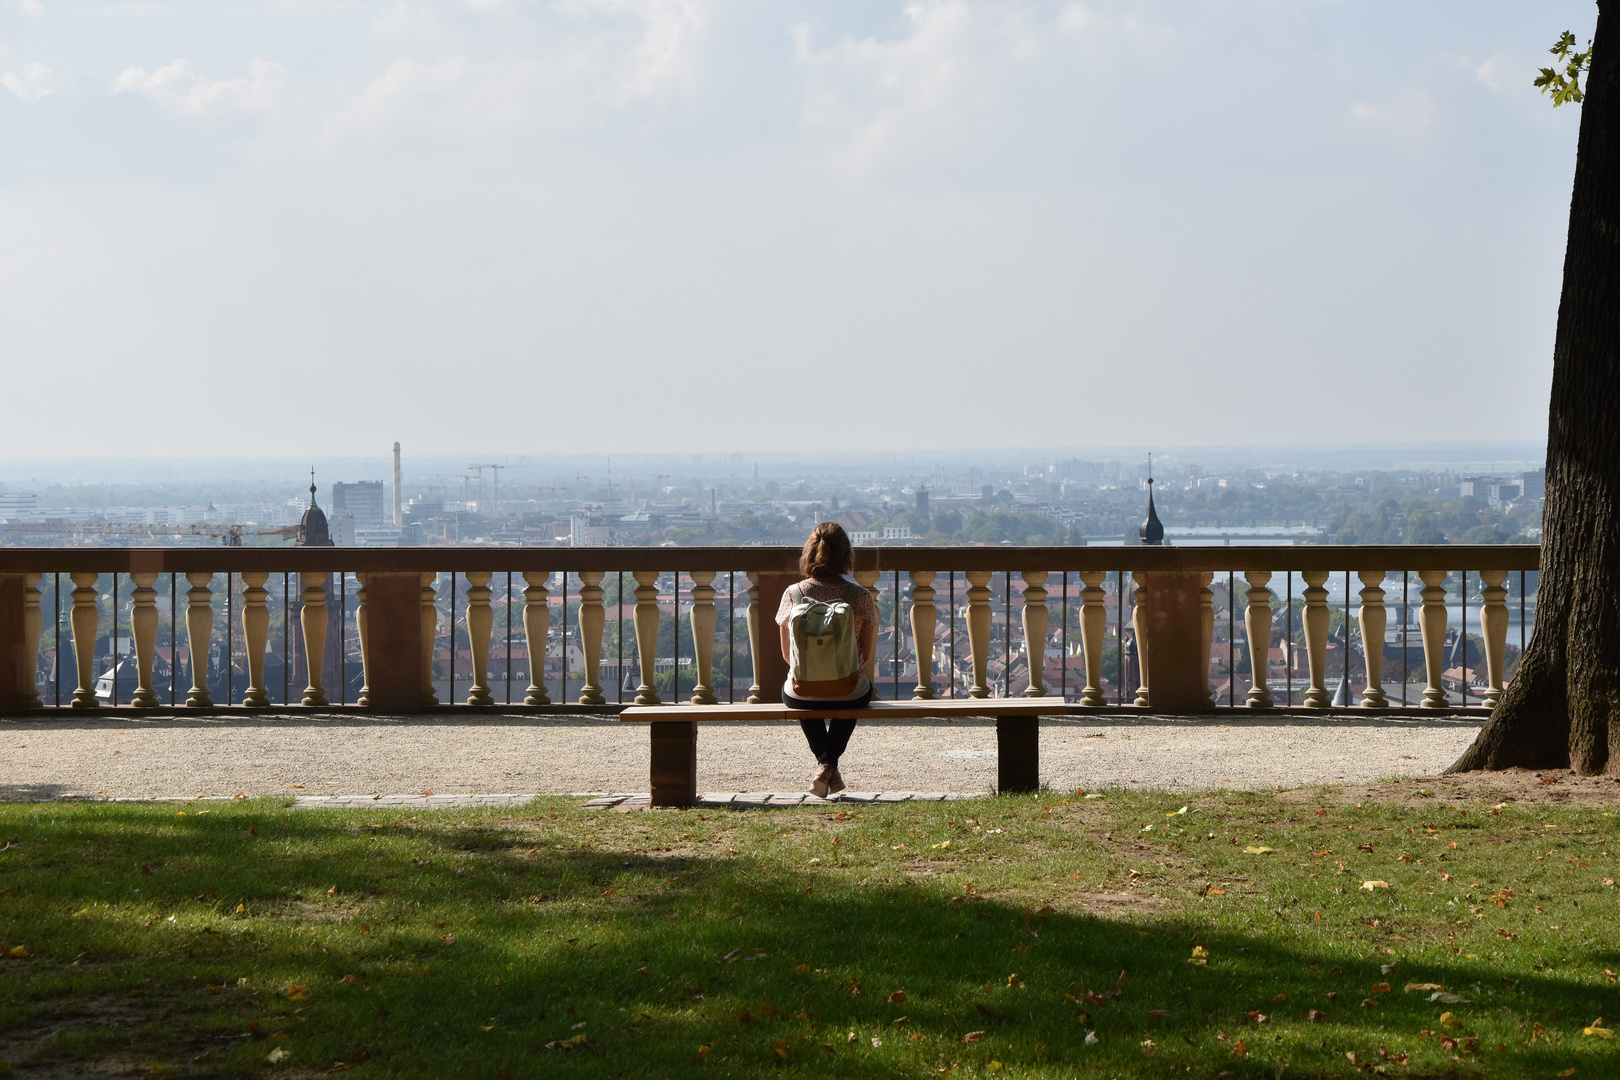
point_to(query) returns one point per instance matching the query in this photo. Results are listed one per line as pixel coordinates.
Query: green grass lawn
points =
(1016, 936)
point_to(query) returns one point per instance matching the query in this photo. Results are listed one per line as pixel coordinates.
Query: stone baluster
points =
(256, 634)
(480, 623)
(143, 625)
(647, 635)
(704, 620)
(1432, 622)
(592, 620)
(868, 579)
(1138, 627)
(1373, 620)
(86, 620)
(978, 628)
(536, 629)
(754, 690)
(361, 632)
(1093, 633)
(1316, 636)
(1257, 628)
(33, 627)
(313, 621)
(200, 635)
(1493, 621)
(430, 632)
(924, 620)
(1035, 622)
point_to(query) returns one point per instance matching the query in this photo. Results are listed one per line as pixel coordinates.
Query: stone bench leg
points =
(674, 762)
(1018, 753)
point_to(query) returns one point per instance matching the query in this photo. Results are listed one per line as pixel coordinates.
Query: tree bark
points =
(1563, 707)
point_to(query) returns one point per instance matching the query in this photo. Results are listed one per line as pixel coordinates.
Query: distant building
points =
(17, 502)
(340, 526)
(1494, 492)
(588, 531)
(897, 532)
(364, 500)
(922, 501)
(1532, 483)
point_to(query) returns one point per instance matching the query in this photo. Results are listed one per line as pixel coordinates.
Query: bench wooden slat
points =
(875, 710)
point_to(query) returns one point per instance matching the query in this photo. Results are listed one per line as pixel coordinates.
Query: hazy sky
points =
(494, 226)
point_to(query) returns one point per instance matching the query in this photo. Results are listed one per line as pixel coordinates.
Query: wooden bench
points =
(673, 735)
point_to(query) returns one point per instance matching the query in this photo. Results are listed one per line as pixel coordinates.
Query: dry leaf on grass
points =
(1374, 884)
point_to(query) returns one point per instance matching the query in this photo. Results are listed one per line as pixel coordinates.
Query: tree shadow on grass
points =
(427, 947)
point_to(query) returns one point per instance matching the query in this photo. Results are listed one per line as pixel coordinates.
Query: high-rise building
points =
(364, 500)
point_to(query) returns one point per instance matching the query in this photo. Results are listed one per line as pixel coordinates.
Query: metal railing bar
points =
(562, 697)
(731, 634)
(1063, 678)
(1462, 637)
(1521, 622)
(1231, 642)
(675, 667)
(509, 637)
(114, 638)
(56, 633)
(1119, 638)
(230, 638)
(951, 635)
(1406, 615)
(1288, 650)
(1006, 638)
(286, 627)
(618, 621)
(174, 647)
(894, 654)
(1349, 694)
(343, 638)
(450, 696)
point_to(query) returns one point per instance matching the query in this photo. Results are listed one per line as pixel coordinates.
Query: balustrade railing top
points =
(396, 618)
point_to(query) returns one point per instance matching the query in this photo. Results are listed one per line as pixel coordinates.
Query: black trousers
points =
(828, 739)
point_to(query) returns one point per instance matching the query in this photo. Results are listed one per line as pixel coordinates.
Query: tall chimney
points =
(399, 506)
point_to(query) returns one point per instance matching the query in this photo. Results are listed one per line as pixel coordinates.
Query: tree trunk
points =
(1563, 707)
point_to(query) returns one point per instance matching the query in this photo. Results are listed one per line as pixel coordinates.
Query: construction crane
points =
(658, 485)
(497, 507)
(577, 478)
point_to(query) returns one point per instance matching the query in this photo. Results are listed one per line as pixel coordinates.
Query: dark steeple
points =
(312, 530)
(1152, 530)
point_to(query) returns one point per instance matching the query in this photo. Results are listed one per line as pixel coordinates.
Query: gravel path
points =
(345, 755)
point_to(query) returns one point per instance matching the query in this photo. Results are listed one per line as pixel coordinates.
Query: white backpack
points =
(822, 637)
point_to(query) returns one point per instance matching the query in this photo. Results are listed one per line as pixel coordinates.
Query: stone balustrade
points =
(1152, 606)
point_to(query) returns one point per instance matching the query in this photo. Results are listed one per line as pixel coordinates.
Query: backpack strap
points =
(852, 592)
(795, 594)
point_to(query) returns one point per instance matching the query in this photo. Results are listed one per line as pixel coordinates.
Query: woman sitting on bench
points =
(829, 632)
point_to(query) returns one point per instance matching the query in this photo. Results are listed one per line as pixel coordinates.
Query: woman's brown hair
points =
(827, 555)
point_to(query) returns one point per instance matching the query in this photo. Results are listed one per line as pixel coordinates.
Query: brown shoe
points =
(835, 783)
(818, 783)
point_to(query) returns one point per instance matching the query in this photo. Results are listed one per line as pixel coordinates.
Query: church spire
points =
(1152, 530)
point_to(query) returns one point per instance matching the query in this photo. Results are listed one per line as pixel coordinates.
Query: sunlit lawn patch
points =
(1020, 936)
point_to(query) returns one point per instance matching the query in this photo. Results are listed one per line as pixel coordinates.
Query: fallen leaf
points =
(1379, 988)
(1200, 956)
(1091, 1036)
(1157, 1014)
(1258, 1017)
(1316, 1015)
(1239, 1050)
(705, 1050)
(898, 997)
(1280, 997)
(1597, 1032)
(298, 785)
(1571, 1071)
(1449, 1020)
(1423, 986)
(781, 1048)
(1253, 850)
(1374, 884)
(973, 1036)
(17, 952)
(1215, 890)
(1448, 999)
(276, 1055)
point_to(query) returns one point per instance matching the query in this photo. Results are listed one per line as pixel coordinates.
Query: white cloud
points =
(600, 59)
(30, 84)
(28, 9)
(180, 89)
(870, 95)
(1411, 110)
